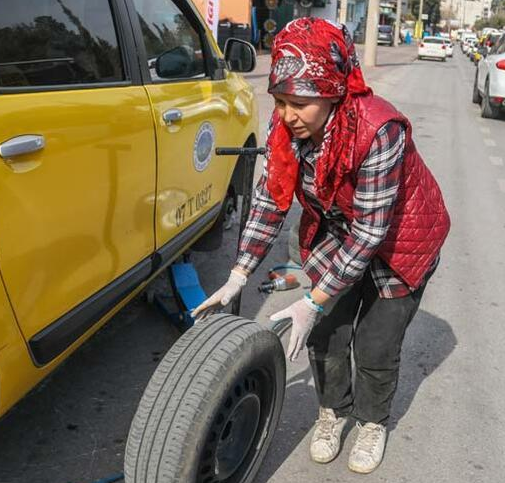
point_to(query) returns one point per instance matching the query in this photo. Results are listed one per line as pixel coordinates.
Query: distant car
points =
(449, 46)
(385, 35)
(433, 48)
(473, 50)
(471, 47)
(489, 84)
(467, 42)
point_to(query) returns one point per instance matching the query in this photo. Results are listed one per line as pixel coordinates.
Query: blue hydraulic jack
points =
(185, 284)
(187, 294)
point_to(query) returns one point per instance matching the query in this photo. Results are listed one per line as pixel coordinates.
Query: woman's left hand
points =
(304, 316)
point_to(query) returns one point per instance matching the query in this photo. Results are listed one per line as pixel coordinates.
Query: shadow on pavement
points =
(73, 427)
(429, 341)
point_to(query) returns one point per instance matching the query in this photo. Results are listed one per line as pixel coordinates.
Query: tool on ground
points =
(279, 282)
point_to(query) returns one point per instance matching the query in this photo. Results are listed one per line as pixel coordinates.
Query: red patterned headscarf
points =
(312, 57)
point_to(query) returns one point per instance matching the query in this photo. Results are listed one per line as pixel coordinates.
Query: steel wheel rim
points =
(248, 407)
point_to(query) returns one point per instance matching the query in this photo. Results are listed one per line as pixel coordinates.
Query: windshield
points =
(433, 41)
(385, 29)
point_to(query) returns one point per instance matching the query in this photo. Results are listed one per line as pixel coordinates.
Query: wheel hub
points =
(237, 436)
(234, 432)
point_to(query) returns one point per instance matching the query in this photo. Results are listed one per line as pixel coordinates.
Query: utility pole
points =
(342, 14)
(372, 27)
(398, 22)
(419, 25)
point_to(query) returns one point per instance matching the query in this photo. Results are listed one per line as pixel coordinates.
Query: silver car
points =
(489, 85)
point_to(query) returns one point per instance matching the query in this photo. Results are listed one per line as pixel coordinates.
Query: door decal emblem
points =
(203, 147)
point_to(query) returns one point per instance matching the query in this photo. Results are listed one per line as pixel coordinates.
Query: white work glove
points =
(222, 297)
(304, 315)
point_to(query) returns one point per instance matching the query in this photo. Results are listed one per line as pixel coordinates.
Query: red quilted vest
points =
(420, 223)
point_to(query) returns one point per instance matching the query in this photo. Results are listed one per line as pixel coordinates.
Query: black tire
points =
(487, 110)
(211, 408)
(476, 97)
(294, 245)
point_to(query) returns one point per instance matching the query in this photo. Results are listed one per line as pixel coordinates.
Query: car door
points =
(192, 112)
(487, 62)
(77, 166)
(496, 80)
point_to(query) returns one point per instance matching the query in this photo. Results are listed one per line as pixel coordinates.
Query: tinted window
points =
(58, 42)
(501, 47)
(173, 46)
(433, 41)
(385, 29)
(492, 39)
(498, 47)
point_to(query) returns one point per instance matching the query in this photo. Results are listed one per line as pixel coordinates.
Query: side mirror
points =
(240, 56)
(176, 62)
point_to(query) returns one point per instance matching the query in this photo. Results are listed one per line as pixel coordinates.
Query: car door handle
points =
(27, 143)
(172, 115)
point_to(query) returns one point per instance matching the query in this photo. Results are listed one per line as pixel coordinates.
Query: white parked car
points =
(471, 46)
(449, 46)
(467, 43)
(489, 85)
(433, 48)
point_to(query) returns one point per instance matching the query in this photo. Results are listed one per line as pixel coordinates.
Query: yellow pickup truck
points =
(110, 112)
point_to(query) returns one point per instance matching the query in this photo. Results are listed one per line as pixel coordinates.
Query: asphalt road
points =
(448, 422)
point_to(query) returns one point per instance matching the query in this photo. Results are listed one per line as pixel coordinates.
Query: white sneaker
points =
(325, 442)
(368, 450)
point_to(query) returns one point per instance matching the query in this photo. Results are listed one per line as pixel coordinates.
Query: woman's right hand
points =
(221, 297)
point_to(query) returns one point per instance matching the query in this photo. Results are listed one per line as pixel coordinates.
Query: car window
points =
(58, 42)
(433, 41)
(173, 46)
(385, 29)
(501, 49)
(496, 45)
(500, 46)
(492, 40)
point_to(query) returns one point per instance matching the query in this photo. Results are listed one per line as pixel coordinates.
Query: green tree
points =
(431, 7)
(495, 21)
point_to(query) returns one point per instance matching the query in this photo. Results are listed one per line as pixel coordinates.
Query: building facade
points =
(266, 17)
(464, 13)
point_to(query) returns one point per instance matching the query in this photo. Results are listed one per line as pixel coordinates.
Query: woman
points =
(372, 226)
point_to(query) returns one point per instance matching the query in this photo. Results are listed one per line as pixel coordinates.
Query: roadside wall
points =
(237, 11)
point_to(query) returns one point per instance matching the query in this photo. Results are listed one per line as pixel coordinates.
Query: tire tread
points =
(177, 393)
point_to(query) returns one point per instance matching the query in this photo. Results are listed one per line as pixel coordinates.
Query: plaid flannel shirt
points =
(343, 251)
